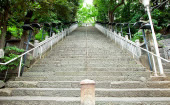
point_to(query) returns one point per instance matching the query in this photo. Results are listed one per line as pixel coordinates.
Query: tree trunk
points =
(3, 24)
(2, 38)
(111, 18)
(24, 37)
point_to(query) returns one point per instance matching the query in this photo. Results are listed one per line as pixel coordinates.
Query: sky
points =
(87, 2)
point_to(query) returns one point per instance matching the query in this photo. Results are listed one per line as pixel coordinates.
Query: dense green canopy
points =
(131, 11)
(15, 13)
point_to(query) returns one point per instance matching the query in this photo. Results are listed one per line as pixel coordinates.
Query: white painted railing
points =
(43, 46)
(129, 45)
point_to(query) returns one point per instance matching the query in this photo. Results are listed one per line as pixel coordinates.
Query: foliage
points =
(38, 36)
(132, 11)
(55, 30)
(87, 14)
(102, 8)
(10, 53)
(137, 35)
(158, 36)
(16, 32)
(15, 13)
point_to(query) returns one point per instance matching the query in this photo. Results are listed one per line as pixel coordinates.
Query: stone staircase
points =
(55, 79)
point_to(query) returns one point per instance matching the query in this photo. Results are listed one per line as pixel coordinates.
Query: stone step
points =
(87, 54)
(78, 78)
(45, 69)
(75, 92)
(84, 56)
(76, 84)
(89, 73)
(160, 78)
(89, 50)
(39, 100)
(122, 59)
(167, 70)
(81, 64)
(90, 47)
(101, 61)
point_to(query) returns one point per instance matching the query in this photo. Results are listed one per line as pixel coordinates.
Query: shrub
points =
(137, 35)
(10, 53)
(38, 36)
(16, 32)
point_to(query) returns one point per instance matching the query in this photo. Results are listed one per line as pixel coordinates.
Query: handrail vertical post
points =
(41, 51)
(51, 44)
(154, 67)
(132, 50)
(20, 65)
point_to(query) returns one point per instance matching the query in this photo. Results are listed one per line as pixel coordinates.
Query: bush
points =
(55, 30)
(10, 53)
(137, 35)
(38, 36)
(16, 32)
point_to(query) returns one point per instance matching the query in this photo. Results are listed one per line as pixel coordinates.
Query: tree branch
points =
(122, 2)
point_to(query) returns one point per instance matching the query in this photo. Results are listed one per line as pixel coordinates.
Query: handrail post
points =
(62, 34)
(115, 36)
(51, 44)
(126, 38)
(154, 66)
(132, 49)
(41, 51)
(20, 65)
(138, 49)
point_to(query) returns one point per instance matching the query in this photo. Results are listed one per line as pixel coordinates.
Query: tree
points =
(108, 7)
(86, 14)
(4, 15)
(13, 12)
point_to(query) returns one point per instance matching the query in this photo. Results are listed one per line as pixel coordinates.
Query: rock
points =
(2, 84)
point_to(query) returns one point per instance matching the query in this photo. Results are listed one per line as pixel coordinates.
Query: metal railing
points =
(40, 48)
(133, 47)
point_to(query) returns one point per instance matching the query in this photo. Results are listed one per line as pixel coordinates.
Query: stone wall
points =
(165, 49)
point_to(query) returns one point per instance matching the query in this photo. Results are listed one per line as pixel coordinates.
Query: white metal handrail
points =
(124, 41)
(69, 30)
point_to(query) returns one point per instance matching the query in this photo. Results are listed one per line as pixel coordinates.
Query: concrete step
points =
(46, 69)
(39, 100)
(84, 56)
(89, 73)
(160, 78)
(67, 51)
(91, 55)
(78, 78)
(82, 64)
(99, 84)
(101, 61)
(90, 50)
(75, 92)
(81, 47)
(124, 59)
(167, 70)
